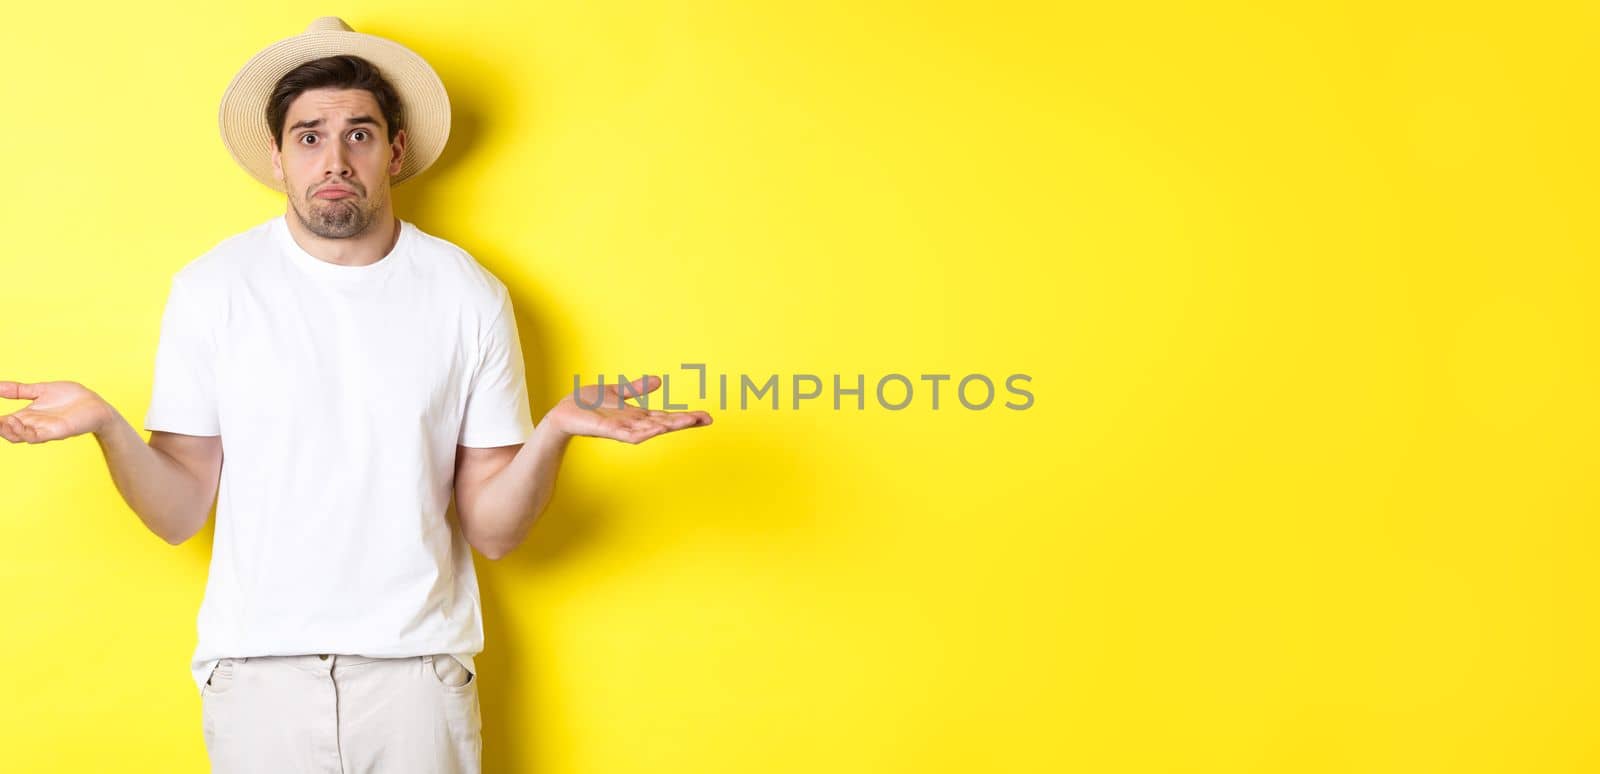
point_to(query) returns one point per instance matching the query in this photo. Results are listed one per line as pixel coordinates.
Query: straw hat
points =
(423, 101)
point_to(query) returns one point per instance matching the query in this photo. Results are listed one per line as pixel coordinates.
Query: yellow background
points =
(1306, 293)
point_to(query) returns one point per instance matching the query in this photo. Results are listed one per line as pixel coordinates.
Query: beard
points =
(337, 218)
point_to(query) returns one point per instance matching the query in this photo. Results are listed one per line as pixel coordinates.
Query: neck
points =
(368, 247)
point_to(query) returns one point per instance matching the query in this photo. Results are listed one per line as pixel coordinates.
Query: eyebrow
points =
(313, 123)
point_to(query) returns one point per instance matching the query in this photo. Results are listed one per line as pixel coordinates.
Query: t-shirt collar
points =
(337, 272)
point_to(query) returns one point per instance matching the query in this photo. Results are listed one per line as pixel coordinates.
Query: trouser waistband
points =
(323, 662)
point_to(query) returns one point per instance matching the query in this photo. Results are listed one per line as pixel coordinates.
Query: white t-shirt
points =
(340, 393)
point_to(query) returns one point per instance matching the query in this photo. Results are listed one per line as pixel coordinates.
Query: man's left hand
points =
(617, 419)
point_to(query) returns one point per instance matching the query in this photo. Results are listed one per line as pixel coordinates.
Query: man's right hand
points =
(59, 410)
(170, 482)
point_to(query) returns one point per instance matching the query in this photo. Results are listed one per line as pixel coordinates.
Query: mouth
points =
(334, 193)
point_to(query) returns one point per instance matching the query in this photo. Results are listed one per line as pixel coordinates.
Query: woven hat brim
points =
(423, 101)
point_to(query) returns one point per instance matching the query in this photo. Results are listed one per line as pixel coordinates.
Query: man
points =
(362, 372)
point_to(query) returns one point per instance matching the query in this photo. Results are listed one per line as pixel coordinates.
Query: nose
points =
(336, 161)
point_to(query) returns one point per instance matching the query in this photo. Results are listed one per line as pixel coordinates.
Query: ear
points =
(277, 160)
(398, 147)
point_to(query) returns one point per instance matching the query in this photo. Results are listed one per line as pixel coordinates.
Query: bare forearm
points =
(498, 508)
(505, 507)
(169, 499)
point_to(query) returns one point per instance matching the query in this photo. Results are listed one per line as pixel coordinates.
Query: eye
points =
(307, 136)
(361, 132)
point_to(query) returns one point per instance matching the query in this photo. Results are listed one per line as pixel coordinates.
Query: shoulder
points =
(215, 268)
(456, 270)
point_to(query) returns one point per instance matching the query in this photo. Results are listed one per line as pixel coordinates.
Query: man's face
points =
(336, 161)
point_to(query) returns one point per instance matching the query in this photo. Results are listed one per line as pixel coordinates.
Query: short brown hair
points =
(332, 72)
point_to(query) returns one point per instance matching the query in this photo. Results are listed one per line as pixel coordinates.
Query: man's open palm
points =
(59, 410)
(613, 418)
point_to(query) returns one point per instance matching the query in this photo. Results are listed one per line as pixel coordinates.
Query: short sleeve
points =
(497, 412)
(184, 396)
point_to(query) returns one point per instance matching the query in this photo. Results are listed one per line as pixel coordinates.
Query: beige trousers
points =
(337, 714)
